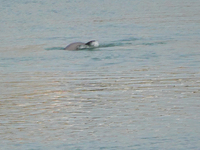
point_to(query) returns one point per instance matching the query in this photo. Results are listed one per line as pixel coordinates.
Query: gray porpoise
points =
(74, 46)
(80, 45)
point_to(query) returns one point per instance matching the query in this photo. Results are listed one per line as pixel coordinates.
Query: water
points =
(139, 90)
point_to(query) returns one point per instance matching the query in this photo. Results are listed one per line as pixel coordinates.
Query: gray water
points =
(139, 90)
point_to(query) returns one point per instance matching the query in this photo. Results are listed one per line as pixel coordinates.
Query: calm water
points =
(139, 90)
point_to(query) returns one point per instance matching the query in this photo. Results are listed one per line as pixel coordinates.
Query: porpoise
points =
(80, 45)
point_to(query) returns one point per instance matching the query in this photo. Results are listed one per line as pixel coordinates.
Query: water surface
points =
(139, 90)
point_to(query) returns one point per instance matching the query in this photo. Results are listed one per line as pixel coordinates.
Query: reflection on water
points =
(76, 107)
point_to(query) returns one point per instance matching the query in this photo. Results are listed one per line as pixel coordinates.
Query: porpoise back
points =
(74, 46)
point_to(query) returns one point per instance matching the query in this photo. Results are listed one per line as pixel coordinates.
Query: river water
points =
(139, 90)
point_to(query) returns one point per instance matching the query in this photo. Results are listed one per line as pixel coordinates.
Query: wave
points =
(123, 42)
(55, 48)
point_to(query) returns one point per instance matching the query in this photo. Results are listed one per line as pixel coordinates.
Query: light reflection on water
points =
(139, 90)
(77, 106)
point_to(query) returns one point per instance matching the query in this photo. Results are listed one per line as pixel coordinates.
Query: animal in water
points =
(80, 45)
